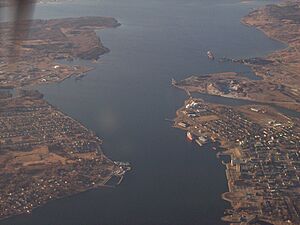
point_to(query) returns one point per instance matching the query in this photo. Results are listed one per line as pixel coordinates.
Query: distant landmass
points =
(31, 57)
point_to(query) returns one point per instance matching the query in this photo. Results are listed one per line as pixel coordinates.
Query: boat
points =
(199, 142)
(210, 55)
(189, 136)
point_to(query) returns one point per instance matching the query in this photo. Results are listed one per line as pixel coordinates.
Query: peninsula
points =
(263, 174)
(44, 153)
(32, 57)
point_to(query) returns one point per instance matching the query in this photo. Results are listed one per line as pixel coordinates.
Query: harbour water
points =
(127, 98)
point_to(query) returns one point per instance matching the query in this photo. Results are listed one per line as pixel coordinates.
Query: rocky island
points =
(263, 144)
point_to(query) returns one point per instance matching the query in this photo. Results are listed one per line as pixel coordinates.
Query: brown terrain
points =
(232, 85)
(31, 57)
(280, 22)
(279, 71)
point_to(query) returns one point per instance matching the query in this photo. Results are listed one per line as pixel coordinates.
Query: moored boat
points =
(199, 142)
(189, 136)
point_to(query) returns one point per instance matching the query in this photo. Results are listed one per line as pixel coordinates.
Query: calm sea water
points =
(127, 98)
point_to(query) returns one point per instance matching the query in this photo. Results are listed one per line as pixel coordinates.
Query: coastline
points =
(81, 148)
(271, 22)
(233, 128)
(278, 70)
(223, 182)
(183, 121)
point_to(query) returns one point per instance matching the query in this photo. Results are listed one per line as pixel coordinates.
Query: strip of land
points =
(232, 85)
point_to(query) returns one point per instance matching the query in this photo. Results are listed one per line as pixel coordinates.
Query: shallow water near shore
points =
(127, 98)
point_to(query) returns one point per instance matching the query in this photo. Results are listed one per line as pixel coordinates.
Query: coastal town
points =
(262, 142)
(45, 155)
(263, 173)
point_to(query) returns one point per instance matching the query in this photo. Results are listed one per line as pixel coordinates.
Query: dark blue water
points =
(126, 99)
